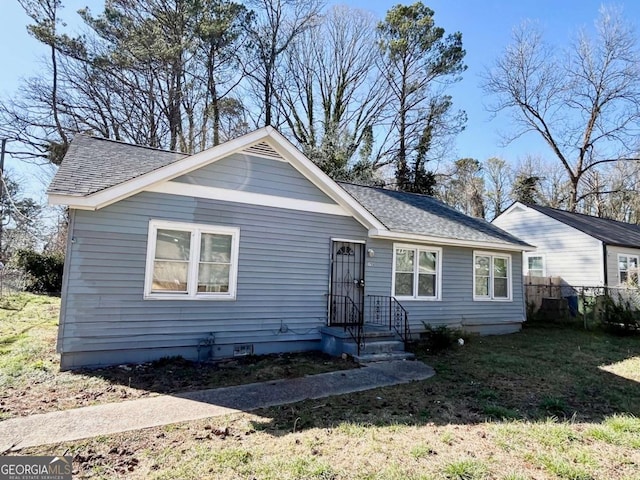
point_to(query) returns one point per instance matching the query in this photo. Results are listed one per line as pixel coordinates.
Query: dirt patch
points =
(53, 391)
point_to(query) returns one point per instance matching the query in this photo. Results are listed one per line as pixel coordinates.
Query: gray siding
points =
(256, 175)
(457, 307)
(282, 280)
(569, 253)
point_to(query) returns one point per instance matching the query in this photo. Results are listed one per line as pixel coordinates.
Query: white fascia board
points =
(72, 201)
(168, 172)
(508, 211)
(249, 198)
(289, 152)
(321, 180)
(430, 240)
(512, 207)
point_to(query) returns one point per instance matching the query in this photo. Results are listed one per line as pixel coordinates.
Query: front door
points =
(346, 299)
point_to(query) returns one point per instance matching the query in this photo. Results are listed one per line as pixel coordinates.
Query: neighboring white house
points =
(581, 249)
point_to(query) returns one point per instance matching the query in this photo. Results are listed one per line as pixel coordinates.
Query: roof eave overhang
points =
(185, 165)
(412, 237)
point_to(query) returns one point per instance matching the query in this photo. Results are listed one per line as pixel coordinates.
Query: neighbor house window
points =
(534, 265)
(628, 269)
(189, 261)
(491, 276)
(416, 272)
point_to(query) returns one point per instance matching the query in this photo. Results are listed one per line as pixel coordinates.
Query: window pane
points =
(404, 260)
(404, 284)
(427, 262)
(536, 273)
(482, 266)
(500, 267)
(169, 276)
(500, 288)
(623, 277)
(535, 263)
(215, 248)
(173, 245)
(482, 286)
(633, 262)
(426, 285)
(622, 263)
(213, 278)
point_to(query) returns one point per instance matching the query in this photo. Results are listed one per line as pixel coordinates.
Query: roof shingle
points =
(611, 232)
(424, 215)
(94, 164)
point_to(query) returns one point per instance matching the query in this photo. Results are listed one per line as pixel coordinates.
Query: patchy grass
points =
(30, 380)
(547, 403)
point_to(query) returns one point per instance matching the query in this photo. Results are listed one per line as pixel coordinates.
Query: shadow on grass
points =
(539, 373)
(533, 375)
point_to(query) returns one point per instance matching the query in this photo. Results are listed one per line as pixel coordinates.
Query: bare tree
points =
(463, 187)
(584, 101)
(334, 93)
(496, 177)
(277, 24)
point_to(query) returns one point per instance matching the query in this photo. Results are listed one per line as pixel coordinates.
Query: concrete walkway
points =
(68, 425)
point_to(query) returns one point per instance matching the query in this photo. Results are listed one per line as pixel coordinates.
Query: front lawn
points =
(31, 381)
(546, 403)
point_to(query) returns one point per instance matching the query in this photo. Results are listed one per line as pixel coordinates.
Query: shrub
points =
(44, 271)
(436, 339)
(619, 316)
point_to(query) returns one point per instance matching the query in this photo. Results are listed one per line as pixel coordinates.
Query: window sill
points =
(500, 300)
(418, 299)
(206, 298)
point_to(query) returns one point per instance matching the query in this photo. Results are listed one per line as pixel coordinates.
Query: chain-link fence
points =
(12, 280)
(587, 305)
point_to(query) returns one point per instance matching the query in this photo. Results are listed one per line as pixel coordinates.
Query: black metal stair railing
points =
(389, 312)
(344, 313)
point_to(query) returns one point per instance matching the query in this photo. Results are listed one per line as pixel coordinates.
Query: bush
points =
(619, 316)
(436, 339)
(44, 271)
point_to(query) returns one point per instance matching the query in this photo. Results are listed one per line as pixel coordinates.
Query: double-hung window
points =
(191, 261)
(534, 265)
(416, 272)
(628, 269)
(491, 276)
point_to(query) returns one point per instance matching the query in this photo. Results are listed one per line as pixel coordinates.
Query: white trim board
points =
(267, 135)
(239, 196)
(429, 240)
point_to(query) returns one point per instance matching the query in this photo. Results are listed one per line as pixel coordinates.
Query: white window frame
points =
(490, 297)
(196, 231)
(418, 248)
(527, 256)
(628, 255)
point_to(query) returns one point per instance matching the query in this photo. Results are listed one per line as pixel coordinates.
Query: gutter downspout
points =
(604, 264)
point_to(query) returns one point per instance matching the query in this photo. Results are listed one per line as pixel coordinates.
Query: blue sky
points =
(486, 27)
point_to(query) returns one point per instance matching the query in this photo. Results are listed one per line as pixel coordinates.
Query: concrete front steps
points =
(380, 344)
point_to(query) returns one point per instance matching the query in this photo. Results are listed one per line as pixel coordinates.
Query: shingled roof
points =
(424, 215)
(611, 232)
(94, 164)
